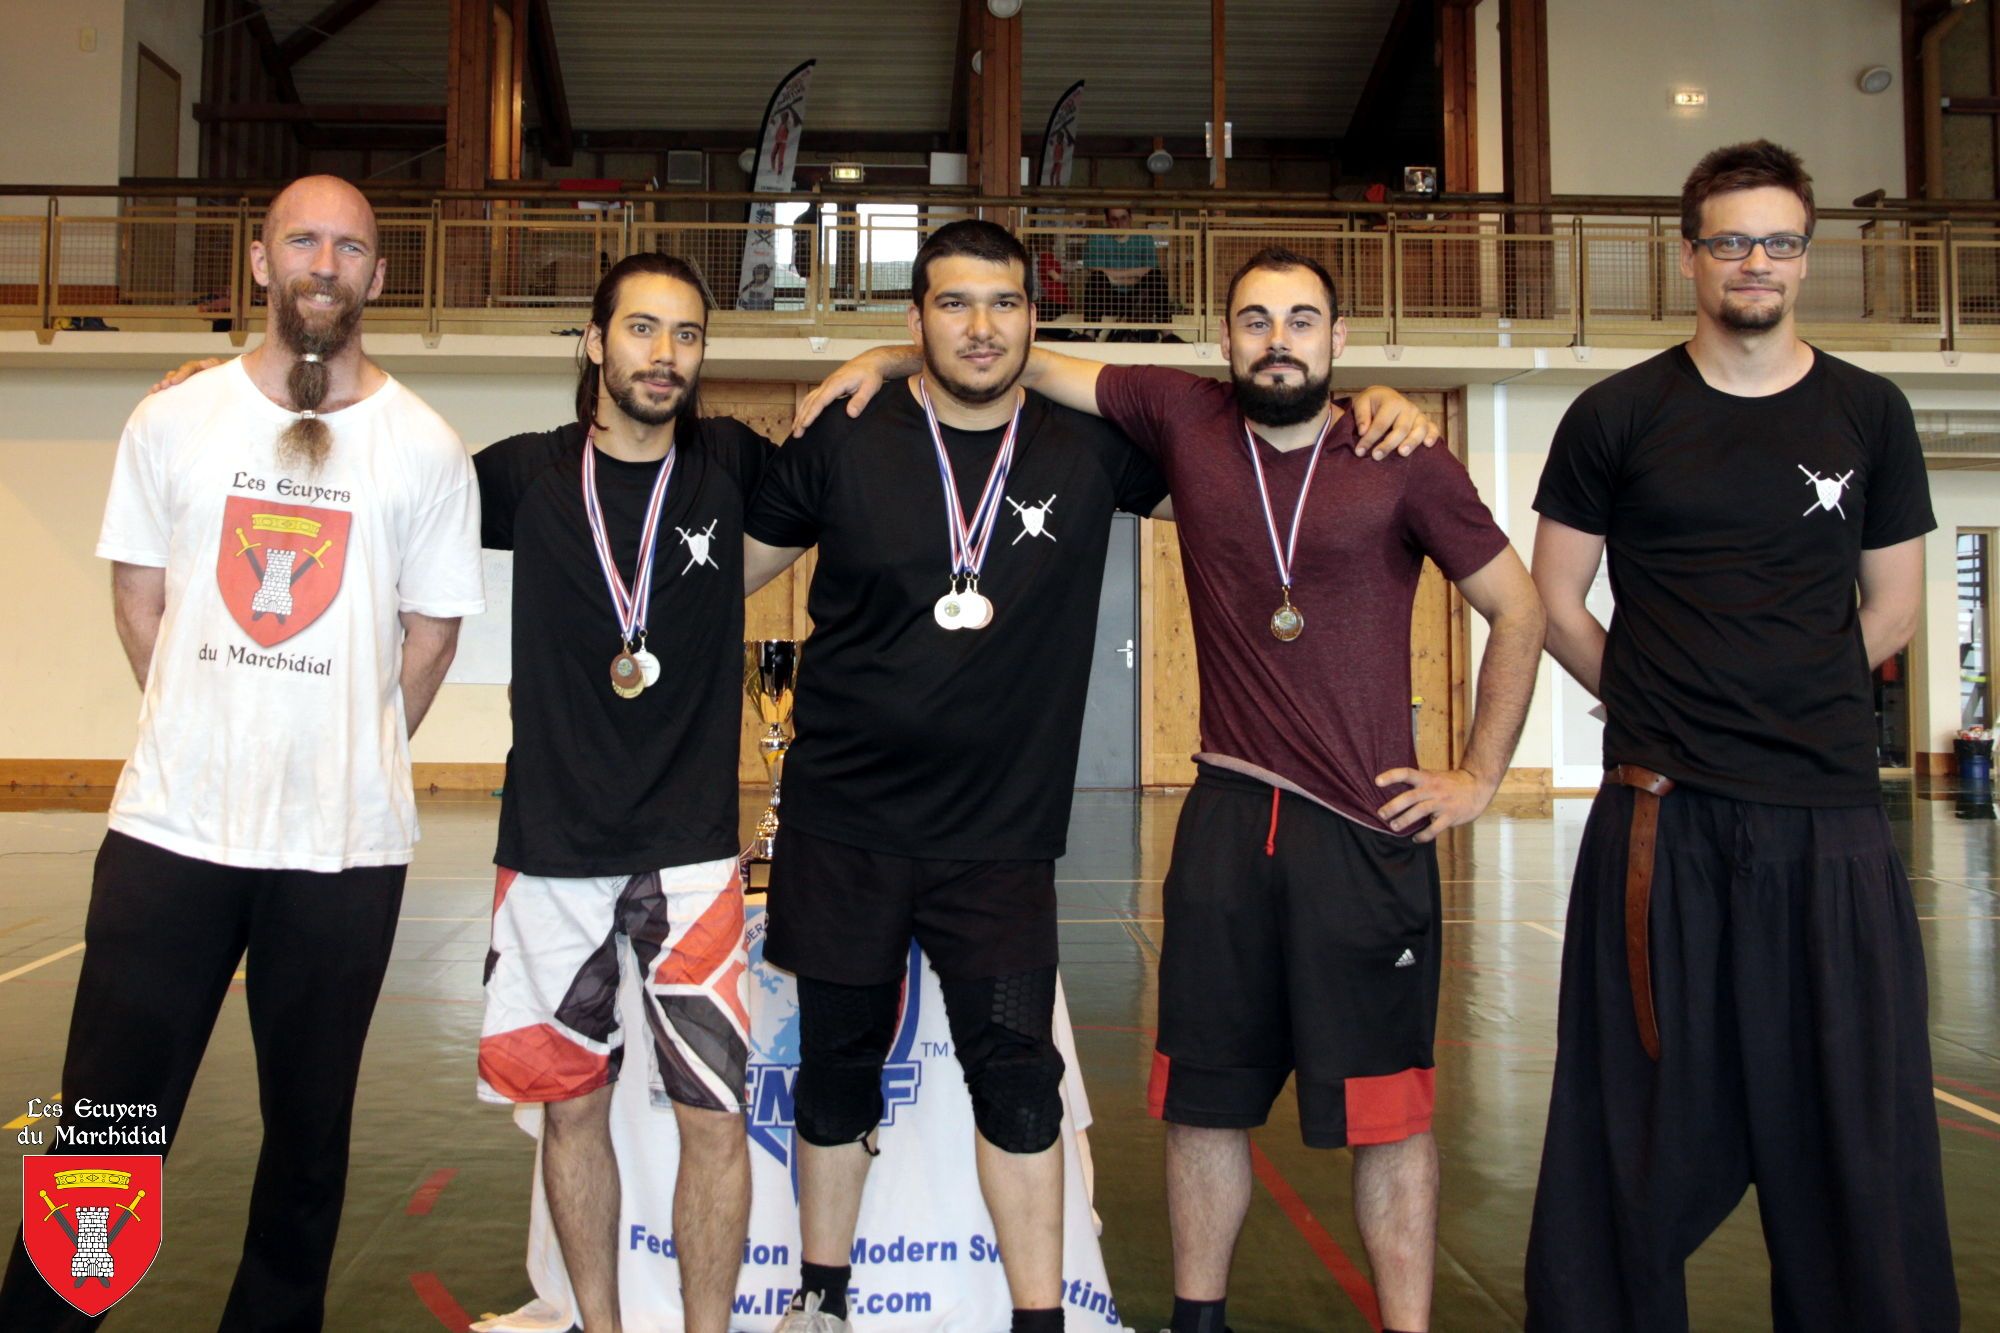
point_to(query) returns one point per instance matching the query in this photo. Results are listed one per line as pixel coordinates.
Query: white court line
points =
(1965, 1105)
(29, 967)
(1536, 925)
(1496, 920)
(1101, 920)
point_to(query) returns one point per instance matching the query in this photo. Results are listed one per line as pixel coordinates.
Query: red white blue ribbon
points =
(630, 604)
(1284, 556)
(970, 538)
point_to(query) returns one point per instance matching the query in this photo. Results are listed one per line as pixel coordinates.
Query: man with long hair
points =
(1743, 994)
(618, 824)
(293, 541)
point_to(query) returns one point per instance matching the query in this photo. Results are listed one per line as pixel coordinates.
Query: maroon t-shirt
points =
(1326, 712)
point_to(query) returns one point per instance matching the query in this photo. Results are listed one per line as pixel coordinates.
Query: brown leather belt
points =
(1648, 787)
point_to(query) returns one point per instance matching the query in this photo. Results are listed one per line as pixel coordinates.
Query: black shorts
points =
(847, 915)
(1295, 939)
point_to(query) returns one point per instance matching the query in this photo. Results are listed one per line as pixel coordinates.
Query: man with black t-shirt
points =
(1301, 907)
(618, 824)
(939, 715)
(1743, 993)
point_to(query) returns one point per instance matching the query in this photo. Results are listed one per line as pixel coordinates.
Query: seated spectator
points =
(1122, 278)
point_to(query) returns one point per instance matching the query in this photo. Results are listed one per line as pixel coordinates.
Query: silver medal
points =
(649, 667)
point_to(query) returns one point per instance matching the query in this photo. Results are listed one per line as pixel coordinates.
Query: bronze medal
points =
(1287, 623)
(628, 678)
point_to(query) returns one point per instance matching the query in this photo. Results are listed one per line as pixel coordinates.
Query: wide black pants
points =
(162, 941)
(1788, 979)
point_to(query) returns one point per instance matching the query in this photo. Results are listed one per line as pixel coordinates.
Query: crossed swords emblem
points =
(69, 1227)
(248, 550)
(1032, 517)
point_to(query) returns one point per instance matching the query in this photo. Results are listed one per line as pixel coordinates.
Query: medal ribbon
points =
(630, 606)
(1284, 557)
(970, 540)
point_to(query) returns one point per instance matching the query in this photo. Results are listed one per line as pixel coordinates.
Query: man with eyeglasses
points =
(1743, 993)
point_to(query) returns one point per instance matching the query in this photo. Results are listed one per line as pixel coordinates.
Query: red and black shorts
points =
(1296, 940)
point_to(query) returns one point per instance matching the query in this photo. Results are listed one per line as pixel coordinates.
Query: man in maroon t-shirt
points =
(1302, 912)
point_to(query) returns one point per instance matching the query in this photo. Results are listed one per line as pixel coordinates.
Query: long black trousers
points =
(162, 941)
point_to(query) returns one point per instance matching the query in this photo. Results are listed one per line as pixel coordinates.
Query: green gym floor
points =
(437, 1200)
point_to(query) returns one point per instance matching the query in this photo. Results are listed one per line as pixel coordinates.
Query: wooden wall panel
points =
(1171, 715)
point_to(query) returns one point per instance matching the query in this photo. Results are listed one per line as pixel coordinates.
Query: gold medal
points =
(628, 678)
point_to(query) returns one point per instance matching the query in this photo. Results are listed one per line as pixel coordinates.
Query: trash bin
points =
(1975, 762)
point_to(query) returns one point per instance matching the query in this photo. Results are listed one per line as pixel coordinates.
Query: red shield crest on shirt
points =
(280, 564)
(91, 1223)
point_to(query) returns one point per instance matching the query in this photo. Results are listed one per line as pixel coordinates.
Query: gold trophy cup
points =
(770, 674)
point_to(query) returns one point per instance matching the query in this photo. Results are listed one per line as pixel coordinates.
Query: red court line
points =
(1968, 1126)
(1963, 1086)
(427, 1193)
(1351, 1279)
(439, 1302)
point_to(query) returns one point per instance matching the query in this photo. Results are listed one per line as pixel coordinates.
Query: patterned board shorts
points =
(559, 948)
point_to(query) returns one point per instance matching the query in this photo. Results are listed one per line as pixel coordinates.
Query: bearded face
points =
(315, 320)
(1278, 389)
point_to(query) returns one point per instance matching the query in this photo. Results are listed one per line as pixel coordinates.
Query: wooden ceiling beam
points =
(318, 113)
(551, 97)
(315, 30)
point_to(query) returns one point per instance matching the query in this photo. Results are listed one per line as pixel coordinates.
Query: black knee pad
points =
(1001, 1027)
(844, 1037)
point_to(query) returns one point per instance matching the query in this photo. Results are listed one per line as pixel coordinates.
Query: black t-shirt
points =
(912, 739)
(596, 784)
(1735, 528)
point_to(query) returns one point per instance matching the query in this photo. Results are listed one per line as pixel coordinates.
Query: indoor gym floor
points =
(437, 1199)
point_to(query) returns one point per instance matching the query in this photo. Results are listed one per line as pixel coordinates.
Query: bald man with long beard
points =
(293, 541)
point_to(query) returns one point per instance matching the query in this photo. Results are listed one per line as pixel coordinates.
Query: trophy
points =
(770, 673)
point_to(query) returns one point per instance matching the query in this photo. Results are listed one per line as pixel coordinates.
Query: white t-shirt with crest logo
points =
(271, 732)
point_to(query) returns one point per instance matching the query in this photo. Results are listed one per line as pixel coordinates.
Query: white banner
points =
(1059, 139)
(777, 156)
(924, 1254)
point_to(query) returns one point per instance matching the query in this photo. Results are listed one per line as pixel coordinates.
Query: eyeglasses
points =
(1733, 245)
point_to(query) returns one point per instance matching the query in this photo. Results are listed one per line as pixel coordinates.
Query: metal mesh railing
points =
(1887, 287)
(845, 267)
(1465, 281)
(23, 266)
(1976, 284)
(1358, 261)
(159, 263)
(524, 266)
